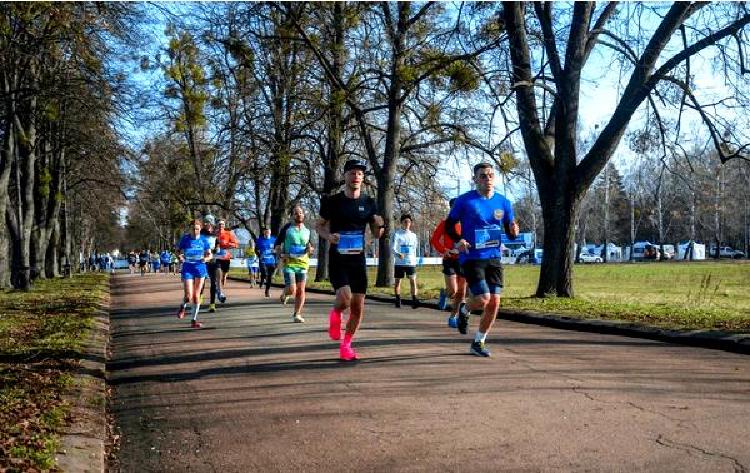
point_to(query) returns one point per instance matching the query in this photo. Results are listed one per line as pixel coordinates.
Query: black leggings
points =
(214, 280)
(266, 273)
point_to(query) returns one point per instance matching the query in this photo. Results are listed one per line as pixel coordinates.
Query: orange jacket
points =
(442, 242)
(226, 240)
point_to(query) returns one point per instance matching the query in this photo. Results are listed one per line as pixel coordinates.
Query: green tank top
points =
(295, 247)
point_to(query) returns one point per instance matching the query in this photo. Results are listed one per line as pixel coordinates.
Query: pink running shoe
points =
(334, 325)
(196, 324)
(181, 313)
(347, 353)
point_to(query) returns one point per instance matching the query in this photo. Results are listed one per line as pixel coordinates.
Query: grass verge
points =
(41, 336)
(677, 295)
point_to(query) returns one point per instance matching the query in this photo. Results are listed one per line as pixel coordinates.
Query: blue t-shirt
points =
(194, 248)
(166, 258)
(482, 223)
(264, 249)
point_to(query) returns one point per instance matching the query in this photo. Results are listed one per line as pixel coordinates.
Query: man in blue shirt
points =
(264, 247)
(166, 260)
(483, 215)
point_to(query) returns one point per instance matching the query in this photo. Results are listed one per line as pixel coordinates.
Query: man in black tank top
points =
(344, 218)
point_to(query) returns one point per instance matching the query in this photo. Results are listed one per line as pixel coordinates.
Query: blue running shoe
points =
(478, 349)
(443, 302)
(453, 321)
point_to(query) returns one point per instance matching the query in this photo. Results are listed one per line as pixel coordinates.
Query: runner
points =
(194, 250)
(132, 260)
(143, 261)
(455, 283)
(404, 247)
(481, 213)
(251, 261)
(295, 250)
(211, 266)
(166, 260)
(264, 247)
(226, 241)
(174, 267)
(155, 262)
(343, 219)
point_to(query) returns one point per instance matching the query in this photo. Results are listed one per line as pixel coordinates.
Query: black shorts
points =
(348, 270)
(223, 265)
(483, 276)
(400, 271)
(142, 263)
(451, 267)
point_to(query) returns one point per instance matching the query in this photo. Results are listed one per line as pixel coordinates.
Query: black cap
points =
(355, 164)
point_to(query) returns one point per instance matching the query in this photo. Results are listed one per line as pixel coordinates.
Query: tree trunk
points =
(632, 225)
(334, 150)
(606, 215)
(717, 213)
(279, 190)
(560, 212)
(387, 173)
(51, 268)
(6, 160)
(26, 162)
(692, 227)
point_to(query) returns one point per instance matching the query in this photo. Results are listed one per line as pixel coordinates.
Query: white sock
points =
(196, 308)
(479, 337)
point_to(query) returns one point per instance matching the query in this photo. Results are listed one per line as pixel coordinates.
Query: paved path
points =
(254, 392)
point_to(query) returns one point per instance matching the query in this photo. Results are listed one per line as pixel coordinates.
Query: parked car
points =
(726, 252)
(589, 258)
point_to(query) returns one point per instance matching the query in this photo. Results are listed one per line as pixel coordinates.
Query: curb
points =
(713, 339)
(82, 446)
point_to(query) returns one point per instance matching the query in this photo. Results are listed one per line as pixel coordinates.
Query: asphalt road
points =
(254, 392)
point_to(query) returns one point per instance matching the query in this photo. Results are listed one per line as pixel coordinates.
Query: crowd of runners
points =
(469, 240)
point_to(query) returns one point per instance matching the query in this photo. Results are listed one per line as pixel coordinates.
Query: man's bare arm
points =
(323, 227)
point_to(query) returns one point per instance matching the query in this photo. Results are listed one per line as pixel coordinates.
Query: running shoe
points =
(334, 325)
(222, 298)
(478, 349)
(284, 298)
(443, 302)
(452, 321)
(414, 303)
(463, 319)
(212, 308)
(347, 353)
(196, 324)
(268, 294)
(181, 312)
(297, 318)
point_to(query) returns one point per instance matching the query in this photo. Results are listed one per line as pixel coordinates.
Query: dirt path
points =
(254, 392)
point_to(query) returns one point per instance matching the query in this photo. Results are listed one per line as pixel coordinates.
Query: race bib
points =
(351, 243)
(193, 258)
(268, 257)
(297, 251)
(487, 237)
(405, 249)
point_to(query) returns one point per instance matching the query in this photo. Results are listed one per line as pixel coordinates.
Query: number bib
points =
(405, 249)
(268, 257)
(351, 243)
(297, 251)
(192, 258)
(487, 237)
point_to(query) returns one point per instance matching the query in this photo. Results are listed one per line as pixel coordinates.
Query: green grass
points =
(41, 335)
(679, 295)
